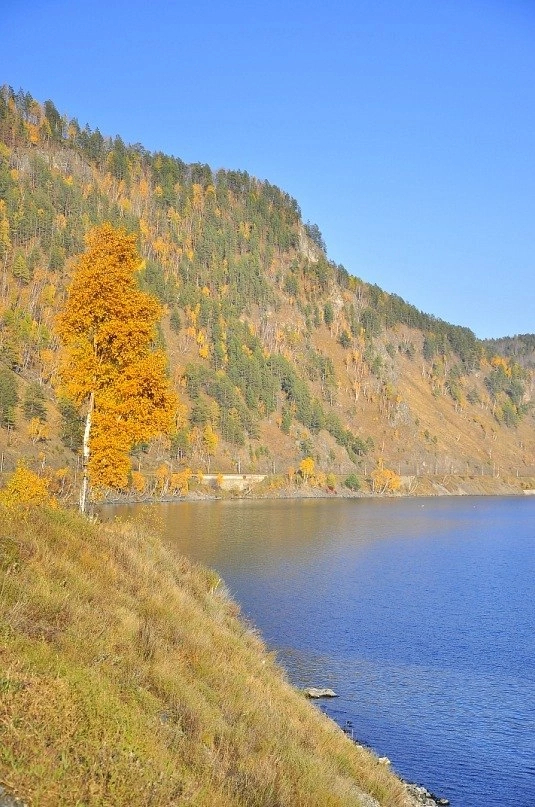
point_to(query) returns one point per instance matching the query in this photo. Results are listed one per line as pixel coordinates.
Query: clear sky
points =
(405, 129)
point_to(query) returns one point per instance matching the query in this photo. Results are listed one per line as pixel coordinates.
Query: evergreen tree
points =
(33, 404)
(72, 430)
(20, 269)
(8, 397)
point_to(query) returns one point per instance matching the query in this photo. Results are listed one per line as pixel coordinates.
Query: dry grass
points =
(127, 678)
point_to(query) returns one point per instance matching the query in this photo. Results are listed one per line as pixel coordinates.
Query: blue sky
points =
(405, 130)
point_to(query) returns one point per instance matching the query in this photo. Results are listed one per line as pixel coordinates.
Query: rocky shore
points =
(421, 796)
(418, 794)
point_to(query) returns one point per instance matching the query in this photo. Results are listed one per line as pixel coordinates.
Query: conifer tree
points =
(33, 404)
(109, 365)
(8, 397)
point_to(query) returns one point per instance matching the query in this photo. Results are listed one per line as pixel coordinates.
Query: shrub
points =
(25, 488)
(352, 482)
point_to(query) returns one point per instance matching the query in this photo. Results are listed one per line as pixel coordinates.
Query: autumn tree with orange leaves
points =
(110, 368)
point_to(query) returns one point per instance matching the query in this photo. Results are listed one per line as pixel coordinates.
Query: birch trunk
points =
(85, 454)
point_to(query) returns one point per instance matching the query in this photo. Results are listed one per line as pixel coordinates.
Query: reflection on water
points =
(420, 613)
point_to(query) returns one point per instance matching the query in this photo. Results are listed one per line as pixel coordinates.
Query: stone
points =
(316, 692)
(7, 800)
(424, 797)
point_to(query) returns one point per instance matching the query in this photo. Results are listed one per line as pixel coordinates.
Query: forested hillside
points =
(278, 355)
(520, 348)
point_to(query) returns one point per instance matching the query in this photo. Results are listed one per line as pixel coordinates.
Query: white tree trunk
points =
(85, 453)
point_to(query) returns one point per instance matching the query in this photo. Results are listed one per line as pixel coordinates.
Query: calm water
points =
(420, 613)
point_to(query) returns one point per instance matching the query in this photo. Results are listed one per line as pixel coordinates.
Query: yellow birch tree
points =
(109, 367)
(384, 479)
(210, 442)
(306, 468)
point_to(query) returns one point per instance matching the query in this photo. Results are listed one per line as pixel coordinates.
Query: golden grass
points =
(127, 678)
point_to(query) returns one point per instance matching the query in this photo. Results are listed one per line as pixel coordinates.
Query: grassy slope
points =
(127, 678)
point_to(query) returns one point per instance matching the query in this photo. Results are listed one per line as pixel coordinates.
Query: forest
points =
(274, 354)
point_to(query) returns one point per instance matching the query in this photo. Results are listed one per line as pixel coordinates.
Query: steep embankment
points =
(127, 678)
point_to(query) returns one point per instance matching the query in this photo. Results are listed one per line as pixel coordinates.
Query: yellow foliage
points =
(5, 241)
(59, 480)
(109, 464)
(144, 227)
(320, 479)
(210, 439)
(48, 294)
(38, 430)
(163, 475)
(173, 215)
(138, 482)
(306, 467)
(27, 489)
(33, 133)
(198, 197)
(181, 416)
(161, 247)
(385, 480)
(48, 363)
(193, 313)
(245, 229)
(144, 188)
(107, 328)
(500, 361)
(194, 436)
(180, 481)
(125, 204)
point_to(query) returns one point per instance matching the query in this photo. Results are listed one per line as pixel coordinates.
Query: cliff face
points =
(278, 352)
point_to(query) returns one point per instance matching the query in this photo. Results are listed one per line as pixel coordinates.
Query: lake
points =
(420, 613)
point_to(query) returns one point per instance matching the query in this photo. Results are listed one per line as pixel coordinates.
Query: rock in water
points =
(315, 692)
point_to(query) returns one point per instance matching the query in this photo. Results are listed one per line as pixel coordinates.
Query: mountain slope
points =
(278, 353)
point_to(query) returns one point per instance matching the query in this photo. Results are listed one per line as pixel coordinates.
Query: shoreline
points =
(422, 487)
(418, 794)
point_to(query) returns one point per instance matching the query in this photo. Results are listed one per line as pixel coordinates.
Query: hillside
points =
(278, 354)
(166, 698)
(521, 348)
